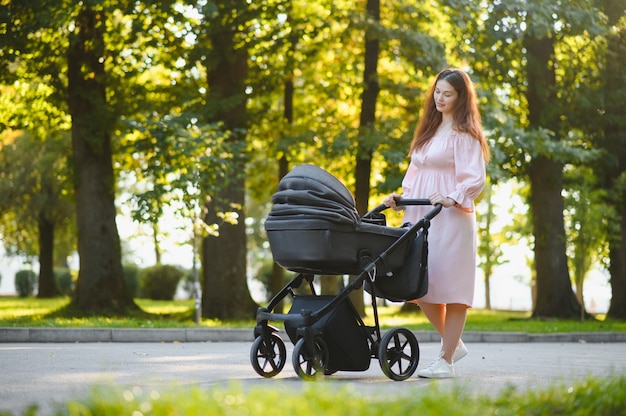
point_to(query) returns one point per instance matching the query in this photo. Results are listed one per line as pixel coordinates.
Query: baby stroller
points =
(314, 229)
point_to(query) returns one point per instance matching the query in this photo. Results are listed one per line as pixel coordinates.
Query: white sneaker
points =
(459, 352)
(438, 369)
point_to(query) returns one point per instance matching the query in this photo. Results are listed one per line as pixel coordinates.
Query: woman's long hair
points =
(466, 117)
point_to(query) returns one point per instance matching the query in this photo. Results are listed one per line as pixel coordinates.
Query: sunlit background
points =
(510, 282)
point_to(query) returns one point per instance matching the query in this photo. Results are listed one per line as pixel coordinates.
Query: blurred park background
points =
(149, 134)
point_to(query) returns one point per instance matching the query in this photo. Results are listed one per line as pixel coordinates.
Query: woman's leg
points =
(436, 314)
(449, 321)
(455, 317)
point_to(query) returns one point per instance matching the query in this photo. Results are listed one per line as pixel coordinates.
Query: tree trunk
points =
(555, 297)
(225, 292)
(156, 241)
(488, 290)
(277, 278)
(367, 122)
(487, 252)
(47, 284)
(368, 110)
(617, 269)
(614, 144)
(100, 286)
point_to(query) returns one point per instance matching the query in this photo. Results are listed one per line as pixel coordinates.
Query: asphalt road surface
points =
(46, 374)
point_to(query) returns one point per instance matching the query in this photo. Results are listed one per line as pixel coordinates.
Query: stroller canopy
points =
(310, 193)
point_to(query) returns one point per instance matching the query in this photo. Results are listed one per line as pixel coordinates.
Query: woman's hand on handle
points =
(445, 201)
(390, 202)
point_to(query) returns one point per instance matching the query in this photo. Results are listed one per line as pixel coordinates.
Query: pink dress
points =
(454, 166)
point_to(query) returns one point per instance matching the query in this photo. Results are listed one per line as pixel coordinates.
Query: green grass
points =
(33, 312)
(57, 313)
(593, 396)
(482, 320)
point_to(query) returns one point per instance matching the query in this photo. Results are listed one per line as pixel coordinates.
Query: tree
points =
(95, 98)
(367, 122)
(280, 40)
(587, 218)
(225, 293)
(159, 148)
(554, 294)
(100, 285)
(596, 118)
(612, 139)
(539, 146)
(35, 193)
(367, 119)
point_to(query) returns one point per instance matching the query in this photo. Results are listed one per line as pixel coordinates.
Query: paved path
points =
(50, 373)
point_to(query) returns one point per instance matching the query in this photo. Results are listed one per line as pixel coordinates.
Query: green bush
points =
(25, 281)
(131, 278)
(64, 281)
(160, 282)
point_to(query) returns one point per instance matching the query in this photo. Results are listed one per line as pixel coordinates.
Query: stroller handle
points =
(407, 202)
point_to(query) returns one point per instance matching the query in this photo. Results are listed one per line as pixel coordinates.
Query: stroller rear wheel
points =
(309, 364)
(398, 354)
(268, 357)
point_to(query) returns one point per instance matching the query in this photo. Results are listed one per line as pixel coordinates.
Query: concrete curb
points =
(60, 335)
(124, 335)
(596, 337)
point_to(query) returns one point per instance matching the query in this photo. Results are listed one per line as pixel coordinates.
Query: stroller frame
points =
(397, 350)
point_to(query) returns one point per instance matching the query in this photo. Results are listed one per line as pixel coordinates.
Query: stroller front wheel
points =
(268, 357)
(309, 364)
(398, 354)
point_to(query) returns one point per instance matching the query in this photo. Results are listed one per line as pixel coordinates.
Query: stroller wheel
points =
(398, 354)
(268, 357)
(309, 364)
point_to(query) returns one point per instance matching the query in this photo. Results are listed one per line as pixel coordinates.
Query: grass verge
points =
(58, 313)
(34, 312)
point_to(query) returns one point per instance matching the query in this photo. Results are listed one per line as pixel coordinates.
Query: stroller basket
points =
(343, 333)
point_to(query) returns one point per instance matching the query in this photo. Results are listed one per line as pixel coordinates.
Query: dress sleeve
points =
(469, 166)
(409, 180)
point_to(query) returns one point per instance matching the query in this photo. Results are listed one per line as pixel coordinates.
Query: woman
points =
(448, 155)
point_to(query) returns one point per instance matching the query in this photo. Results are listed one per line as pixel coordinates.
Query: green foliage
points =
(189, 283)
(64, 281)
(588, 219)
(25, 281)
(264, 275)
(593, 396)
(34, 166)
(160, 282)
(131, 279)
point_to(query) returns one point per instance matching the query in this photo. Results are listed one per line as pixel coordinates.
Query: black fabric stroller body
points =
(314, 229)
